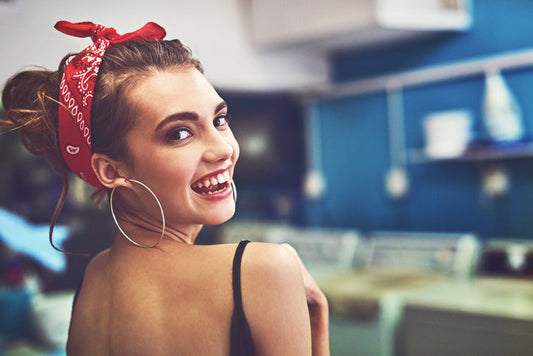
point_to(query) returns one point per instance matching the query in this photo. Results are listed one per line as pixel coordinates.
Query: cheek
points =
(174, 171)
(236, 149)
(167, 171)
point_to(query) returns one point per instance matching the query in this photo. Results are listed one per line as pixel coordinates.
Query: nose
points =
(218, 147)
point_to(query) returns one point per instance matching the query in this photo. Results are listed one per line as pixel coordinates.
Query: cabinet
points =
(494, 178)
(337, 24)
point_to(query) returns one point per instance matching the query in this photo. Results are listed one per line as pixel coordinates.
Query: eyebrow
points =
(187, 115)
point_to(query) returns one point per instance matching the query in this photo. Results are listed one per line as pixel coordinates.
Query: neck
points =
(147, 232)
(185, 234)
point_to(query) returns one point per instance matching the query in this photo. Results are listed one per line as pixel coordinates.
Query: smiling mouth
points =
(213, 184)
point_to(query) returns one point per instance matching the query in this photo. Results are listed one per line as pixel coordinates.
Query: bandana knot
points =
(98, 32)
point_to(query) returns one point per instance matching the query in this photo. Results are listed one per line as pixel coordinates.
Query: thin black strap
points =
(237, 294)
(241, 337)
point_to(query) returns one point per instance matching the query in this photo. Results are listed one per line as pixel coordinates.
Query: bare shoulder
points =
(98, 262)
(274, 300)
(270, 261)
(94, 278)
(270, 270)
(90, 314)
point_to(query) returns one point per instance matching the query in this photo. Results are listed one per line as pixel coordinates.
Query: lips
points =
(212, 184)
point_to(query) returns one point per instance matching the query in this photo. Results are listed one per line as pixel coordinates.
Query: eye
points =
(179, 134)
(221, 120)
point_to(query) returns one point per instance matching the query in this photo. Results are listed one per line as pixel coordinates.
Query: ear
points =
(108, 171)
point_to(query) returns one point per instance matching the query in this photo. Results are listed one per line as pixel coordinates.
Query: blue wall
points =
(443, 196)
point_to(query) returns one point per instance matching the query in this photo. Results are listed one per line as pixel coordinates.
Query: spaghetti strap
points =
(241, 337)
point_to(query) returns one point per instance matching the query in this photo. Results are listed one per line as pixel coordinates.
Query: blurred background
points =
(389, 141)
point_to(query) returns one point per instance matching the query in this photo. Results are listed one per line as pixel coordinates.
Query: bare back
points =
(176, 299)
(153, 301)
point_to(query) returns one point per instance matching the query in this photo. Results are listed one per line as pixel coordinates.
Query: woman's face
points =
(183, 148)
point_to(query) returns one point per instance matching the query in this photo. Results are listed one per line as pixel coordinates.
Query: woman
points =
(134, 116)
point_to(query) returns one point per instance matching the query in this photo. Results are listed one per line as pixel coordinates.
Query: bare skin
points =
(175, 314)
(176, 298)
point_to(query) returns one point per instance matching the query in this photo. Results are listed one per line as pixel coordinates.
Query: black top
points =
(241, 338)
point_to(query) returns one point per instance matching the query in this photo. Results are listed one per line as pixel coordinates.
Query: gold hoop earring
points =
(233, 191)
(160, 208)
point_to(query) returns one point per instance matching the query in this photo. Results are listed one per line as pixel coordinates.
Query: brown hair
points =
(30, 99)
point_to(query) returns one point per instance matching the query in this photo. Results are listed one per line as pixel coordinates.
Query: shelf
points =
(477, 153)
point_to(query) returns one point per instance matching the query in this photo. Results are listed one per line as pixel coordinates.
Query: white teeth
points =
(218, 179)
(209, 192)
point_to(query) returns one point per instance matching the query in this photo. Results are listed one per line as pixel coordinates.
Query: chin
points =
(219, 217)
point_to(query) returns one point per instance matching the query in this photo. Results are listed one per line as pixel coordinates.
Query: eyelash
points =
(172, 136)
(173, 133)
(226, 117)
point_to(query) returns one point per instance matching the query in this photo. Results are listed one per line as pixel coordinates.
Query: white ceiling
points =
(215, 30)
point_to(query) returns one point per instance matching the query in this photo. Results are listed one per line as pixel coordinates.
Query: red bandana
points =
(77, 86)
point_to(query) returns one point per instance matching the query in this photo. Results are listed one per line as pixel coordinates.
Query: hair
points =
(31, 100)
